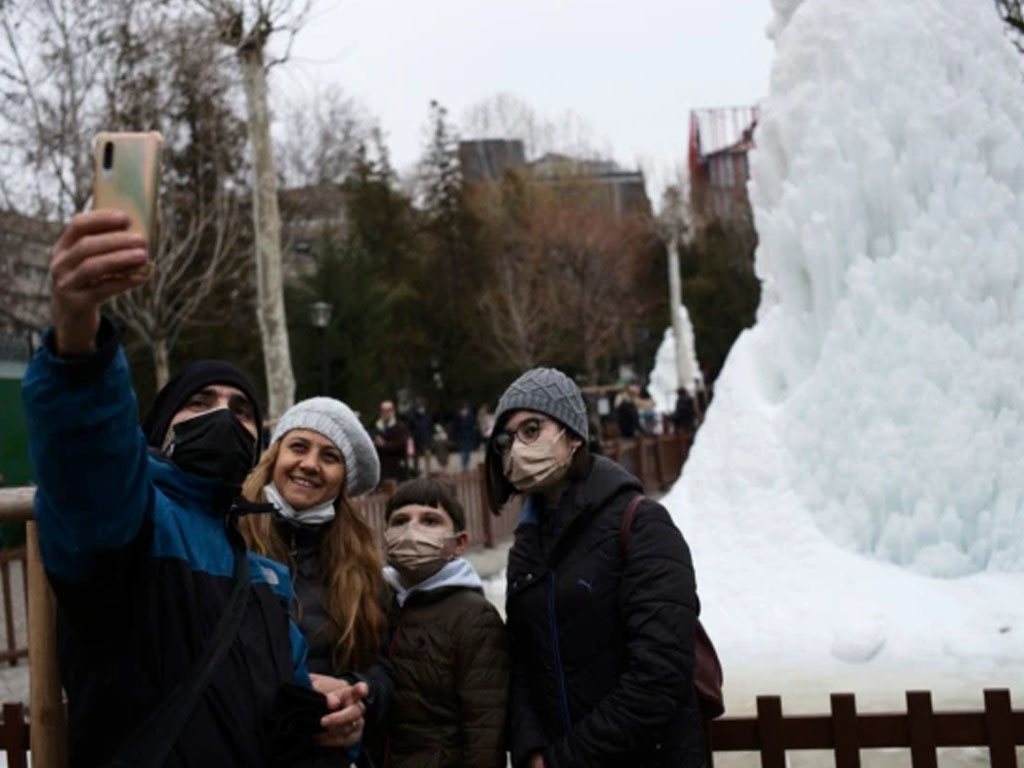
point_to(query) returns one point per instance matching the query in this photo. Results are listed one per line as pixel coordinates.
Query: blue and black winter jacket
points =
(142, 568)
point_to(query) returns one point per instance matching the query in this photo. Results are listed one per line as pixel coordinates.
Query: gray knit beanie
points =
(339, 424)
(547, 391)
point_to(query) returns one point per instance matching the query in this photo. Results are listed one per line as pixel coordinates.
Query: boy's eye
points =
(530, 430)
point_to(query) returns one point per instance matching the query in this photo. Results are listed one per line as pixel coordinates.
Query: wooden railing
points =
(656, 460)
(845, 732)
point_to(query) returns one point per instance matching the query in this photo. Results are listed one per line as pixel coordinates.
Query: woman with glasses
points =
(601, 615)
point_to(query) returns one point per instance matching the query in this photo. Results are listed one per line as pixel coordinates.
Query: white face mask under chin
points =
(318, 515)
(535, 466)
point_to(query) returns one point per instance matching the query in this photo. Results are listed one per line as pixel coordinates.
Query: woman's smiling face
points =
(309, 470)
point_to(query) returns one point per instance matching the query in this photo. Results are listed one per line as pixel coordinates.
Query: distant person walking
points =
(684, 417)
(422, 428)
(626, 412)
(391, 438)
(465, 433)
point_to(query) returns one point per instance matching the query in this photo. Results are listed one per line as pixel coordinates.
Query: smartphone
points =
(127, 177)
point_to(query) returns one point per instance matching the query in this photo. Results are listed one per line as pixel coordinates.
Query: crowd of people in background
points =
(223, 602)
(416, 443)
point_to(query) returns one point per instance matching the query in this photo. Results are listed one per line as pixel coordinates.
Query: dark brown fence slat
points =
(5, 583)
(769, 729)
(922, 730)
(14, 736)
(999, 722)
(844, 730)
(734, 734)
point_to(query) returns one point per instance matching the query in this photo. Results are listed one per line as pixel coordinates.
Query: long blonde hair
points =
(350, 562)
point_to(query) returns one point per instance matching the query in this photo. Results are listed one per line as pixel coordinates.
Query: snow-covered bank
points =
(855, 499)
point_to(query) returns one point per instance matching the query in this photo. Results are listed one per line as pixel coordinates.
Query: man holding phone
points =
(174, 642)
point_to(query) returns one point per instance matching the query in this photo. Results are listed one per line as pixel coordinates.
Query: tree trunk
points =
(684, 375)
(161, 362)
(269, 275)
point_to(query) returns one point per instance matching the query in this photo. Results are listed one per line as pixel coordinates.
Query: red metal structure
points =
(720, 139)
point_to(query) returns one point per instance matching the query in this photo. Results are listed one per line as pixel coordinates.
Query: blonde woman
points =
(319, 458)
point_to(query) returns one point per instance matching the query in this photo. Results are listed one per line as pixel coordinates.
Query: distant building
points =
(488, 159)
(720, 140)
(311, 217)
(622, 192)
(25, 245)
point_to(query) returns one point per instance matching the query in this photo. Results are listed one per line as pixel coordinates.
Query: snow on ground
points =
(855, 500)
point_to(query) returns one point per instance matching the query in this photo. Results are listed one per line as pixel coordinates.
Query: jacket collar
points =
(455, 573)
(208, 494)
(605, 481)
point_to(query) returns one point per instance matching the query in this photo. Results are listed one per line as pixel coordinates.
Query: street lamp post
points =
(320, 315)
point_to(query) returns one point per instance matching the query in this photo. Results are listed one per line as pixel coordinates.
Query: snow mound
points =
(877, 406)
(663, 382)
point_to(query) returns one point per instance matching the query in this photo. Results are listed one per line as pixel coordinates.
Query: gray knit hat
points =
(547, 391)
(339, 424)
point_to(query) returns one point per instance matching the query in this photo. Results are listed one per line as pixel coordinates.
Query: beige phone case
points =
(131, 183)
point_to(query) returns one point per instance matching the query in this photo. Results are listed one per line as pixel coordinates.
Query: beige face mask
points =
(417, 551)
(534, 466)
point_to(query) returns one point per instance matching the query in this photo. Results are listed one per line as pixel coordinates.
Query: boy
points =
(448, 649)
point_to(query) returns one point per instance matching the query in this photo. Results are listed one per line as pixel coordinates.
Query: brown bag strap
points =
(707, 669)
(627, 523)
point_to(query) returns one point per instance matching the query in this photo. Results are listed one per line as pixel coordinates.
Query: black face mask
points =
(215, 444)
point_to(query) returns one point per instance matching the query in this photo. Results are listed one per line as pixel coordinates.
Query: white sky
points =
(629, 69)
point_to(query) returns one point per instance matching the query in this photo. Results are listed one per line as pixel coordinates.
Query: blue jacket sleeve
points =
(88, 454)
(299, 652)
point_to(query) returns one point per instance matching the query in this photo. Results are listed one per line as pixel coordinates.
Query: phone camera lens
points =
(108, 156)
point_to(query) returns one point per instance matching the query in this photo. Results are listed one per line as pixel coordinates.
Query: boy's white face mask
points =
(534, 466)
(417, 551)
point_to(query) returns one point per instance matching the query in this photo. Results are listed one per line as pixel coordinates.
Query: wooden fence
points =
(656, 460)
(770, 734)
(845, 732)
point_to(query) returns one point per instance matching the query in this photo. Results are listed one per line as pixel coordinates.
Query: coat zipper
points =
(559, 671)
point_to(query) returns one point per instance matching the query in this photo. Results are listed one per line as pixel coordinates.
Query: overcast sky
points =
(629, 69)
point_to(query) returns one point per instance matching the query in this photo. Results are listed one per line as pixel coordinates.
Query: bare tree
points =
(517, 297)
(247, 26)
(190, 267)
(1012, 13)
(506, 116)
(594, 260)
(154, 72)
(322, 138)
(54, 59)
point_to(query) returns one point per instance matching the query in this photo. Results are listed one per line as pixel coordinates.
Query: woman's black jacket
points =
(602, 638)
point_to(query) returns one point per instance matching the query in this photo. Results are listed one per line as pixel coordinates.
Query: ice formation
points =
(876, 408)
(663, 382)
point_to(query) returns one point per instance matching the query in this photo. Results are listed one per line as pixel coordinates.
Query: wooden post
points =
(5, 585)
(15, 735)
(999, 720)
(769, 729)
(844, 730)
(922, 729)
(48, 731)
(485, 507)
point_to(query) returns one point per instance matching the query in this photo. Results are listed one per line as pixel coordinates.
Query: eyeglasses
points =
(528, 431)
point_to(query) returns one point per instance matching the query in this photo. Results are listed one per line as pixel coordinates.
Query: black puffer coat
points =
(304, 544)
(602, 642)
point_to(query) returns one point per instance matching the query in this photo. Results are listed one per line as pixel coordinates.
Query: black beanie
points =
(189, 380)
